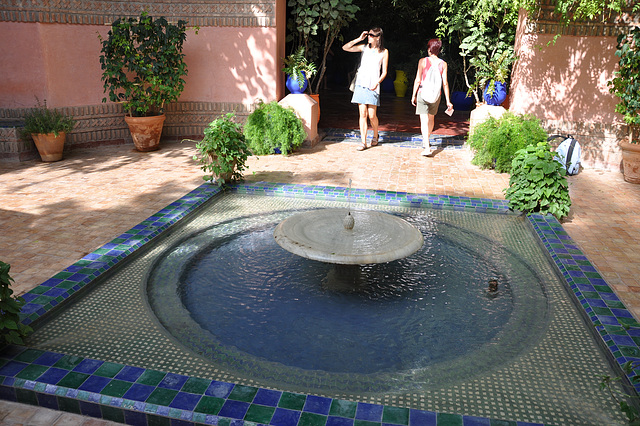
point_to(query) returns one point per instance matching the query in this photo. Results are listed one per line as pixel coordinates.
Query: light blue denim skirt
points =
(364, 95)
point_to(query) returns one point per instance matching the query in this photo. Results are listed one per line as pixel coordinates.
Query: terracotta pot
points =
(316, 97)
(631, 161)
(49, 145)
(226, 177)
(146, 131)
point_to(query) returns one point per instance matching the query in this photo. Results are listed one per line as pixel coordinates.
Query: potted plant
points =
(626, 87)
(143, 68)
(223, 151)
(298, 70)
(48, 128)
(12, 331)
(272, 128)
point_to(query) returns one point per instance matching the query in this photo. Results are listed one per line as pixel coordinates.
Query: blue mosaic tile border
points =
(397, 139)
(143, 396)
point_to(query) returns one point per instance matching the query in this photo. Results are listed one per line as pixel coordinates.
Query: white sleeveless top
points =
(370, 66)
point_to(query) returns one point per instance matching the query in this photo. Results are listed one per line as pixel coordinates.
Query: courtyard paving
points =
(52, 214)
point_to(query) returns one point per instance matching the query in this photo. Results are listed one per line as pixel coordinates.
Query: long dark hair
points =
(377, 32)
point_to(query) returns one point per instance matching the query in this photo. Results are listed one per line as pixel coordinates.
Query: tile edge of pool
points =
(31, 376)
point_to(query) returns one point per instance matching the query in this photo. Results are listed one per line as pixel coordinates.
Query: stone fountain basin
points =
(376, 237)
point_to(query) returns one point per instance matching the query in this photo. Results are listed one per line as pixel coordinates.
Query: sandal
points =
(374, 141)
(362, 147)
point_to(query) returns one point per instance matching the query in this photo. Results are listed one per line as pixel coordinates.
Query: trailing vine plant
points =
(626, 84)
(538, 182)
(496, 140)
(272, 126)
(11, 329)
(621, 397)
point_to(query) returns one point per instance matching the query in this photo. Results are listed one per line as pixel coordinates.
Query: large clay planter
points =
(316, 97)
(146, 131)
(631, 161)
(49, 145)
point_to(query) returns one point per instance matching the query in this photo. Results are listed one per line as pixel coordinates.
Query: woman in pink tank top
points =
(426, 110)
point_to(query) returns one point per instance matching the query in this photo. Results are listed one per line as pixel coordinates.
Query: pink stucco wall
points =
(566, 80)
(60, 63)
(564, 84)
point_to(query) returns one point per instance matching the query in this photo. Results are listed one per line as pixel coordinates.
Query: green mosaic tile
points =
(243, 393)
(40, 387)
(399, 416)
(603, 311)
(630, 351)
(157, 421)
(26, 396)
(196, 385)
(151, 377)
(29, 355)
(342, 408)
(116, 388)
(292, 401)
(448, 420)
(224, 422)
(162, 396)
(62, 275)
(312, 419)
(365, 423)
(32, 372)
(591, 295)
(602, 289)
(73, 380)
(113, 414)
(259, 414)
(615, 304)
(629, 322)
(69, 405)
(40, 289)
(209, 405)
(68, 362)
(109, 369)
(175, 413)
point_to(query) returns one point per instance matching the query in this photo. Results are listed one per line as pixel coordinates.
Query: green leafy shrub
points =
(496, 141)
(223, 151)
(625, 84)
(41, 119)
(11, 330)
(143, 66)
(538, 182)
(272, 126)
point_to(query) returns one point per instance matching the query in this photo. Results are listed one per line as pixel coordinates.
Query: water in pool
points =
(217, 298)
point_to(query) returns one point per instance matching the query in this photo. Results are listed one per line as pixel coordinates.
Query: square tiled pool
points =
(87, 357)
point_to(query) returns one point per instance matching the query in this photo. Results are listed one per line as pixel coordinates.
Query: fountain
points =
(339, 237)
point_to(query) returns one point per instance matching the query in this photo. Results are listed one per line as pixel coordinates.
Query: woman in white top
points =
(371, 72)
(427, 111)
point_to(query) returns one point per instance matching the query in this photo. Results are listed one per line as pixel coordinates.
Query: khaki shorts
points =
(425, 108)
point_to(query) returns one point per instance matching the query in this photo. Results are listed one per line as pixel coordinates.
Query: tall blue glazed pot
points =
(499, 94)
(293, 85)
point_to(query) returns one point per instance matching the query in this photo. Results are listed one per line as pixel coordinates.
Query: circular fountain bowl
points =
(376, 237)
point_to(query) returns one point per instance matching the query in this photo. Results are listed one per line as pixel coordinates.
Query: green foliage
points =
(626, 84)
(308, 17)
(538, 182)
(607, 383)
(11, 330)
(143, 64)
(272, 126)
(223, 151)
(496, 141)
(41, 119)
(296, 63)
(485, 32)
